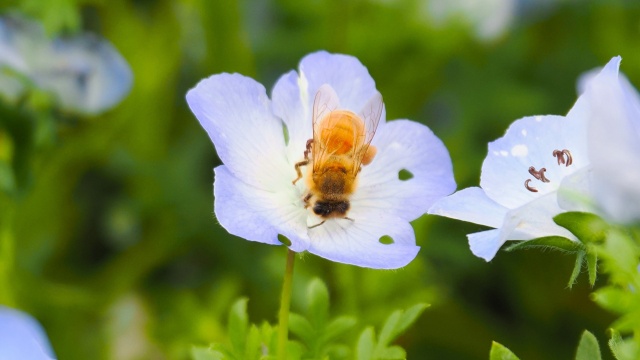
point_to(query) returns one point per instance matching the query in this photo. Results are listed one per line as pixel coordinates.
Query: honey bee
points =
(339, 148)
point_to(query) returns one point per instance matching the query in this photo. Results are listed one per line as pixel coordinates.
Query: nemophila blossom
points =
(538, 169)
(614, 144)
(22, 337)
(254, 194)
(84, 72)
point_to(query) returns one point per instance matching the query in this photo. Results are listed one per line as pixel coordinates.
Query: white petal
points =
(21, 337)
(530, 142)
(575, 192)
(411, 146)
(294, 93)
(534, 220)
(236, 113)
(358, 243)
(472, 205)
(614, 138)
(258, 215)
(485, 244)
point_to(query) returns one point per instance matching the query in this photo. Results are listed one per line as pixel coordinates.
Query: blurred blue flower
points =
(85, 73)
(614, 144)
(22, 337)
(537, 170)
(254, 195)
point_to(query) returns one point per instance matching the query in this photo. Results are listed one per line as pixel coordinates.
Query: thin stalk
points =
(285, 302)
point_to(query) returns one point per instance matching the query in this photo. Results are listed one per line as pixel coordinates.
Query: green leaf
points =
(576, 268)
(592, 266)
(558, 243)
(587, 227)
(238, 325)
(203, 353)
(392, 353)
(318, 298)
(398, 322)
(338, 327)
(302, 328)
(613, 299)
(366, 343)
(499, 352)
(588, 348)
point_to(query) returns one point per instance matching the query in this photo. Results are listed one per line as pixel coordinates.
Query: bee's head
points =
(330, 209)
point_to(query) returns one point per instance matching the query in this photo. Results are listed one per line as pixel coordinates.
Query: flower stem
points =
(285, 302)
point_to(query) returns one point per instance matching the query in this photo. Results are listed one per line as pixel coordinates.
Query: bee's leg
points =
(306, 200)
(298, 164)
(316, 225)
(348, 218)
(303, 162)
(308, 149)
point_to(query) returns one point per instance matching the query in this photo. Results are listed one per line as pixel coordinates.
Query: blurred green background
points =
(109, 238)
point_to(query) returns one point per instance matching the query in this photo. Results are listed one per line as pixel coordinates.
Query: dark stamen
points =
(530, 188)
(538, 174)
(560, 154)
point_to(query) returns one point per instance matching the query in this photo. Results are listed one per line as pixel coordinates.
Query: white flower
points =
(614, 144)
(22, 337)
(521, 179)
(254, 195)
(84, 72)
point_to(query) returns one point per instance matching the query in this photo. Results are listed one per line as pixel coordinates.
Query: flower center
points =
(564, 158)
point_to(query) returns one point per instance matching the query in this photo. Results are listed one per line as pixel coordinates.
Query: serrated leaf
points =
(238, 325)
(388, 332)
(577, 266)
(592, 266)
(588, 348)
(392, 353)
(302, 328)
(318, 300)
(500, 352)
(558, 243)
(205, 353)
(587, 227)
(253, 343)
(366, 344)
(338, 326)
(411, 315)
(613, 299)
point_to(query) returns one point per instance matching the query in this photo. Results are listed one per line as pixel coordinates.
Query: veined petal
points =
(614, 138)
(534, 220)
(358, 243)
(22, 337)
(236, 113)
(258, 215)
(410, 146)
(485, 244)
(472, 205)
(294, 93)
(530, 142)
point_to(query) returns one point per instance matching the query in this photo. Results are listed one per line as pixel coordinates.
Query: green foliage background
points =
(110, 239)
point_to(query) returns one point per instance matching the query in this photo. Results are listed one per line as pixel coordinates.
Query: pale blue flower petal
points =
(534, 220)
(258, 215)
(84, 72)
(236, 113)
(411, 146)
(614, 138)
(485, 244)
(530, 142)
(358, 243)
(22, 337)
(472, 205)
(294, 93)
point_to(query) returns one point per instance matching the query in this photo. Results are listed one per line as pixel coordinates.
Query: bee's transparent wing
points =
(326, 101)
(370, 115)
